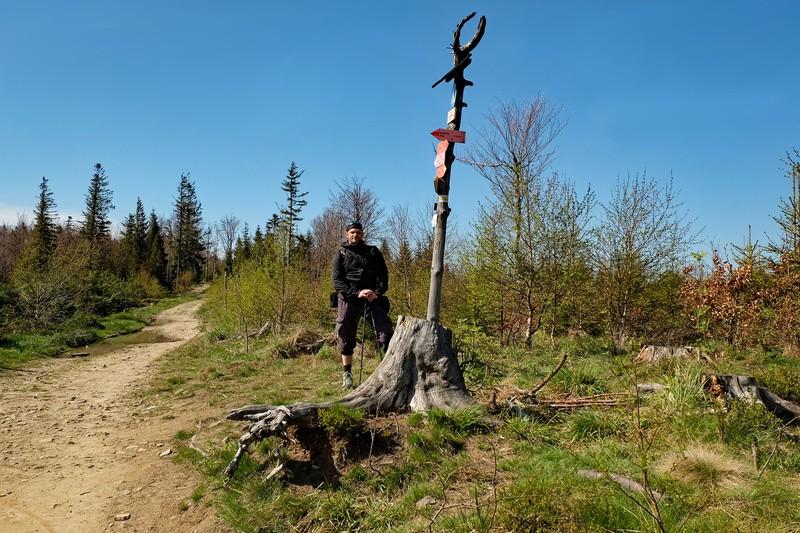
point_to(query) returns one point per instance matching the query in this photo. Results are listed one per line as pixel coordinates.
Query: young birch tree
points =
(513, 155)
(644, 232)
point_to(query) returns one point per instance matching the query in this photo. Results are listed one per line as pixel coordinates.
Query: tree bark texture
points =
(653, 354)
(420, 371)
(745, 388)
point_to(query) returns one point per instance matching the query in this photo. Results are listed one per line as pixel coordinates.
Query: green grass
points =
(468, 470)
(20, 348)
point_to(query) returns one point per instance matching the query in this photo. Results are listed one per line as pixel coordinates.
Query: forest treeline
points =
(61, 275)
(541, 259)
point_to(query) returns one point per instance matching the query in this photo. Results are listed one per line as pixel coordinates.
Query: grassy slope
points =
(449, 473)
(19, 349)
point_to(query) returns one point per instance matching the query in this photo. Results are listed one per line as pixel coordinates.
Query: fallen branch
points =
(623, 481)
(537, 388)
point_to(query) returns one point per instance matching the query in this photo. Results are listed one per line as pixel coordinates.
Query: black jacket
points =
(359, 266)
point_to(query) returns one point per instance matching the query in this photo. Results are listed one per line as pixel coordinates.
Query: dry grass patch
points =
(706, 466)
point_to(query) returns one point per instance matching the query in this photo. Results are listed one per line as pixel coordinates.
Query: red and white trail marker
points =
(454, 136)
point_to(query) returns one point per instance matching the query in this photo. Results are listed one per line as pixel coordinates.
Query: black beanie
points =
(355, 225)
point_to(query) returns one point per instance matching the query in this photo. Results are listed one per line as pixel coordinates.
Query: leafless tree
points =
(12, 241)
(227, 230)
(353, 200)
(327, 231)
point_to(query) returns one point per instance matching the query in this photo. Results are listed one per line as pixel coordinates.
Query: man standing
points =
(360, 278)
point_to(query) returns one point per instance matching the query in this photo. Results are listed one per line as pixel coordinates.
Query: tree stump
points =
(746, 389)
(653, 354)
(419, 371)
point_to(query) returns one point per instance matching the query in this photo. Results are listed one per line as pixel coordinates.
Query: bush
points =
(106, 293)
(781, 380)
(78, 337)
(745, 422)
(581, 379)
(8, 298)
(47, 297)
(184, 282)
(474, 348)
(148, 286)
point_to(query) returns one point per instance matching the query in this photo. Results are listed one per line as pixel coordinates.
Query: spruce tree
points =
(96, 224)
(128, 243)
(788, 218)
(247, 244)
(272, 225)
(134, 238)
(258, 242)
(156, 259)
(44, 227)
(140, 233)
(294, 203)
(187, 242)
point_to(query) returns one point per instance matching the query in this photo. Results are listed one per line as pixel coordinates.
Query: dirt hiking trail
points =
(79, 451)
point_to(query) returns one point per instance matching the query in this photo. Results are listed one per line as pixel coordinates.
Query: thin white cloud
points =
(11, 214)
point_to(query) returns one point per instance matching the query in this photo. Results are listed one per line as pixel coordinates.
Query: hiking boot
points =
(347, 380)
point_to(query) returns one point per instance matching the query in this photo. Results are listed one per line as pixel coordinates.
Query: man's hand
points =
(367, 294)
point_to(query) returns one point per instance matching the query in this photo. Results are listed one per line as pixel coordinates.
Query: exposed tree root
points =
(419, 371)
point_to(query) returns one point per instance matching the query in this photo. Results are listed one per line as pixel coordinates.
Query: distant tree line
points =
(54, 272)
(541, 259)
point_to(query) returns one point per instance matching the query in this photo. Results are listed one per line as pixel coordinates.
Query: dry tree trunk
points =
(745, 388)
(419, 371)
(654, 354)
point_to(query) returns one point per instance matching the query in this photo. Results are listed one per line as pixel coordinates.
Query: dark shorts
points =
(350, 311)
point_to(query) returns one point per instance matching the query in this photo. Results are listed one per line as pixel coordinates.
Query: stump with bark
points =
(653, 354)
(419, 371)
(746, 389)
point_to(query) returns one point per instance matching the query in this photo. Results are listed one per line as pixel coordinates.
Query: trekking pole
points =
(363, 338)
(375, 329)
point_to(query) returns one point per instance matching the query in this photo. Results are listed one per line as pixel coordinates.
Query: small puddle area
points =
(145, 336)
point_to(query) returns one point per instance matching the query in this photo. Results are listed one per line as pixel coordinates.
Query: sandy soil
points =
(78, 447)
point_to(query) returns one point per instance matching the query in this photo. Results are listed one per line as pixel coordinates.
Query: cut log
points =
(652, 354)
(745, 388)
(419, 371)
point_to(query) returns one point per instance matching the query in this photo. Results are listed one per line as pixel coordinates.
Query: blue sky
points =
(233, 92)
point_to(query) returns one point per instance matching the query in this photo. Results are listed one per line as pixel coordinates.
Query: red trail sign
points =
(454, 136)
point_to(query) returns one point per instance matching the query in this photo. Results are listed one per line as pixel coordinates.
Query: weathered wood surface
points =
(419, 371)
(623, 481)
(745, 388)
(652, 354)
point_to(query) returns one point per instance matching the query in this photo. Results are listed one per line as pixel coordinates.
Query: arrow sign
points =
(454, 136)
